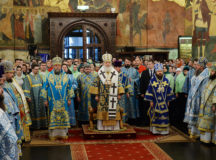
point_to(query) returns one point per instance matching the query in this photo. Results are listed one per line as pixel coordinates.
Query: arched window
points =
(83, 41)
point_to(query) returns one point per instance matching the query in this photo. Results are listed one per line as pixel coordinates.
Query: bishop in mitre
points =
(159, 93)
(57, 93)
(107, 90)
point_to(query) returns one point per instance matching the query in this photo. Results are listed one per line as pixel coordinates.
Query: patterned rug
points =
(121, 151)
(76, 137)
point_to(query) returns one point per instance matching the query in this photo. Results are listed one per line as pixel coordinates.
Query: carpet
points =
(121, 151)
(76, 137)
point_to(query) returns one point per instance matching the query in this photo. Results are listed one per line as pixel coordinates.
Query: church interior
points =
(162, 30)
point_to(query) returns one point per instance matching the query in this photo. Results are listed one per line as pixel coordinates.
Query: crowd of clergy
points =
(56, 95)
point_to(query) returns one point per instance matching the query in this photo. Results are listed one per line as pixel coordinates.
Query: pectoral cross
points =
(114, 87)
(103, 74)
(160, 89)
(113, 101)
(113, 74)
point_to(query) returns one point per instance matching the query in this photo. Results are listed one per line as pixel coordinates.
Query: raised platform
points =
(127, 133)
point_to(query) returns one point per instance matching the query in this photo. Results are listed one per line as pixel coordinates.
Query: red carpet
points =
(126, 151)
(76, 136)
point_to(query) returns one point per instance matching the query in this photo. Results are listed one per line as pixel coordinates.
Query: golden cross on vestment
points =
(165, 83)
(155, 84)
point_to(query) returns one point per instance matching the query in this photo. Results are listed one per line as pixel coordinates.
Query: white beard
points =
(107, 69)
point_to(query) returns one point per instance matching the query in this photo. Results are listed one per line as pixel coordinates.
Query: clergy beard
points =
(127, 66)
(159, 76)
(212, 77)
(107, 69)
(57, 72)
(9, 80)
(197, 72)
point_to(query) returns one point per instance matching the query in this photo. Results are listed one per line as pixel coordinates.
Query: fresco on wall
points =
(188, 19)
(6, 27)
(204, 29)
(24, 23)
(132, 23)
(168, 20)
(140, 23)
(32, 3)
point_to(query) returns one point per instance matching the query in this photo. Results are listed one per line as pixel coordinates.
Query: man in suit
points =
(144, 83)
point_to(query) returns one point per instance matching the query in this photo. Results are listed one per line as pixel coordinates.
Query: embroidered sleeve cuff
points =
(26, 91)
(147, 99)
(128, 86)
(94, 90)
(214, 100)
(121, 90)
(71, 95)
(148, 96)
(44, 94)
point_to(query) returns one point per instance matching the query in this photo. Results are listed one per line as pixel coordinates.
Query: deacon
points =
(198, 84)
(57, 93)
(133, 77)
(207, 117)
(16, 92)
(159, 93)
(108, 91)
(123, 78)
(43, 71)
(32, 89)
(84, 97)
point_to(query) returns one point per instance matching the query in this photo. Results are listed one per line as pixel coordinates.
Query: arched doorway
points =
(96, 31)
(83, 41)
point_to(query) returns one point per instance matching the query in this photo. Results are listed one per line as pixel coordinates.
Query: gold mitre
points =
(8, 66)
(107, 57)
(56, 60)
